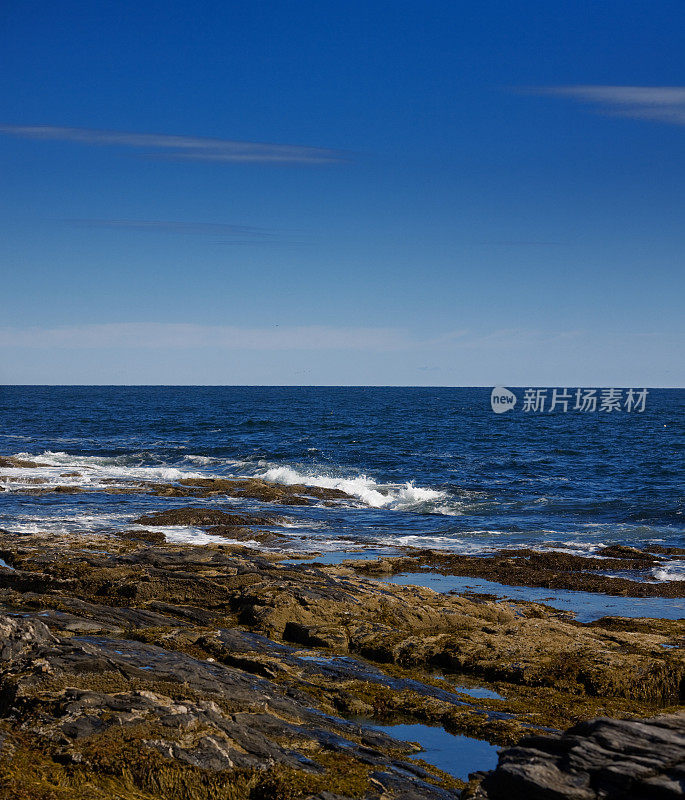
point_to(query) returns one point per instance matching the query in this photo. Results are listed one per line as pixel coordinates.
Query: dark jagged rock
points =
(241, 534)
(631, 554)
(50, 489)
(602, 758)
(667, 551)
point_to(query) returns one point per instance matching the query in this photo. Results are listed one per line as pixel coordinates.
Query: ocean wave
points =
(453, 544)
(131, 466)
(95, 468)
(404, 497)
(205, 461)
(484, 541)
(673, 571)
(68, 522)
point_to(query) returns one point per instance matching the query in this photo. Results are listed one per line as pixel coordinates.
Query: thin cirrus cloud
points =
(174, 335)
(657, 103)
(224, 233)
(171, 226)
(192, 148)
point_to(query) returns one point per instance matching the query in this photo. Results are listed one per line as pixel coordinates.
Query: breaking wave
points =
(95, 468)
(673, 571)
(401, 497)
(136, 466)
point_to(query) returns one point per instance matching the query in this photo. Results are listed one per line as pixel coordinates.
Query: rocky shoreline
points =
(135, 668)
(549, 570)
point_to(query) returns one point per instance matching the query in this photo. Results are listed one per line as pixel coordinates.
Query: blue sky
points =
(437, 193)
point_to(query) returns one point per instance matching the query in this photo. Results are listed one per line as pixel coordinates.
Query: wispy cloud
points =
(231, 234)
(516, 243)
(658, 103)
(181, 147)
(171, 226)
(145, 335)
(218, 233)
(180, 335)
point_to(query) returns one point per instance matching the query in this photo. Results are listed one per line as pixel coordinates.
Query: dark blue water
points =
(426, 466)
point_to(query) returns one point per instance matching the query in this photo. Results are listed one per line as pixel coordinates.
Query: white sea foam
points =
(77, 522)
(450, 543)
(305, 524)
(205, 461)
(673, 571)
(406, 497)
(92, 469)
(178, 534)
(485, 541)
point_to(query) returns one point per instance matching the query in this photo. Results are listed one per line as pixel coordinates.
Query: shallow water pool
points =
(586, 606)
(456, 755)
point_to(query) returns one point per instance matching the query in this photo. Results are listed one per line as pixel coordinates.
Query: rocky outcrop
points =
(239, 488)
(19, 637)
(126, 716)
(550, 570)
(251, 488)
(13, 462)
(201, 517)
(602, 758)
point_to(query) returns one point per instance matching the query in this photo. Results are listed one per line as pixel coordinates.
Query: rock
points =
(253, 488)
(550, 570)
(622, 551)
(317, 635)
(13, 462)
(19, 637)
(154, 537)
(602, 758)
(49, 489)
(241, 534)
(152, 712)
(200, 517)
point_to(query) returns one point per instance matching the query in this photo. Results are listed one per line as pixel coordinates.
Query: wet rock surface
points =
(205, 516)
(13, 462)
(550, 570)
(253, 488)
(600, 758)
(114, 711)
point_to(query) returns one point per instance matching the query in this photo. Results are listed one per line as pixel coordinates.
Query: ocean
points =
(426, 467)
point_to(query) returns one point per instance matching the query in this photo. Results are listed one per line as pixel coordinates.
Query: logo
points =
(502, 400)
(580, 400)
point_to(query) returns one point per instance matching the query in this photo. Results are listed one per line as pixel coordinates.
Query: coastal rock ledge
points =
(600, 758)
